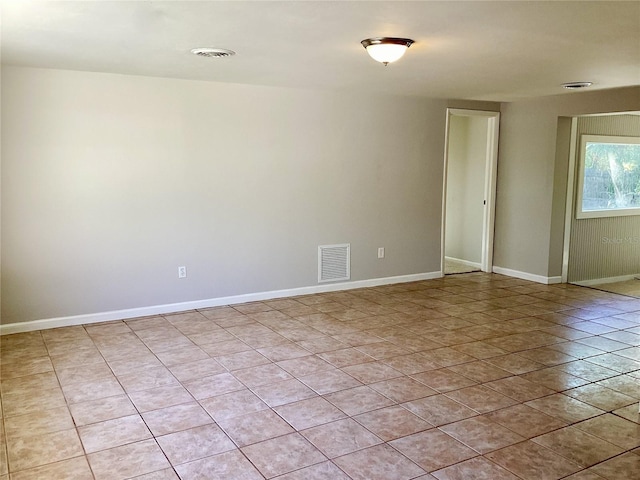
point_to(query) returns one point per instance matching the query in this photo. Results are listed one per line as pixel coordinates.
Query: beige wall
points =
(529, 211)
(605, 247)
(465, 187)
(110, 182)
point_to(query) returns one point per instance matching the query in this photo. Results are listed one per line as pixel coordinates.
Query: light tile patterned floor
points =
(630, 288)
(470, 376)
(454, 266)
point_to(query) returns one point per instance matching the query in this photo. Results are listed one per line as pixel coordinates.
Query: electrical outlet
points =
(182, 272)
(381, 252)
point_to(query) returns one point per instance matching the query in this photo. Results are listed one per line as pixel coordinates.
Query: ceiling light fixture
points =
(576, 85)
(386, 49)
(212, 52)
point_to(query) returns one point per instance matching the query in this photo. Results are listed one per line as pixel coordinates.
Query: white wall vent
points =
(334, 262)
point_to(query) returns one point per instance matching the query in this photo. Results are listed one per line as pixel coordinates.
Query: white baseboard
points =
(465, 262)
(208, 303)
(600, 281)
(527, 276)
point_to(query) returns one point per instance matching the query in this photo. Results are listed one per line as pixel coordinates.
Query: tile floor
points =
(453, 266)
(630, 288)
(476, 376)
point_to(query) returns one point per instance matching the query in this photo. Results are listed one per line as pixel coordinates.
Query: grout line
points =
(400, 325)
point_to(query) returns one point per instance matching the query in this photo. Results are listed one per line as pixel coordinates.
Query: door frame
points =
(569, 201)
(572, 185)
(490, 179)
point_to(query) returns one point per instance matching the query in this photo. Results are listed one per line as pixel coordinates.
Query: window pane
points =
(611, 176)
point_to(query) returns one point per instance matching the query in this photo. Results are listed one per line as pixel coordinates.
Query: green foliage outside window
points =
(611, 176)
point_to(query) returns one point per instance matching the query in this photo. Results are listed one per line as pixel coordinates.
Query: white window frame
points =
(617, 212)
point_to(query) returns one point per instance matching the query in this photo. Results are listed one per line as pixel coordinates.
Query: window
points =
(609, 177)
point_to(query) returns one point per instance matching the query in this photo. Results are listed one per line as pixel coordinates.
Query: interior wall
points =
(110, 182)
(609, 246)
(529, 216)
(465, 187)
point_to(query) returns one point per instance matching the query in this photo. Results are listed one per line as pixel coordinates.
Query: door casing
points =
(490, 177)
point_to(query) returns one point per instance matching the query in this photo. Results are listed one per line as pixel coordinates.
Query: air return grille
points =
(334, 262)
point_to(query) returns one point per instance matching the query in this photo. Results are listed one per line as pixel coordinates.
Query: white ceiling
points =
(498, 51)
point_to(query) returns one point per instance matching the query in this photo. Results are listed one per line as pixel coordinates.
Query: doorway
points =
(469, 187)
(602, 219)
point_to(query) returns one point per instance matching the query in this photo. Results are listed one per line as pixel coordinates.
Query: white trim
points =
(473, 113)
(464, 262)
(601, 281)
(443, 226)
(614, 212)
(490, 181)
(527, 276)
(208, 303)
(491, 173)
(571, 185)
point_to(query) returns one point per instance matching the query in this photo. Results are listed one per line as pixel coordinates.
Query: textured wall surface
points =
(609, 246)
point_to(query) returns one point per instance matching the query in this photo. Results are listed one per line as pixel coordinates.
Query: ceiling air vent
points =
(576, 85)
(334, 262)
(212, 52)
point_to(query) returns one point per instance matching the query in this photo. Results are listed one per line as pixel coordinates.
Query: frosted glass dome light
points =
(386, 50)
